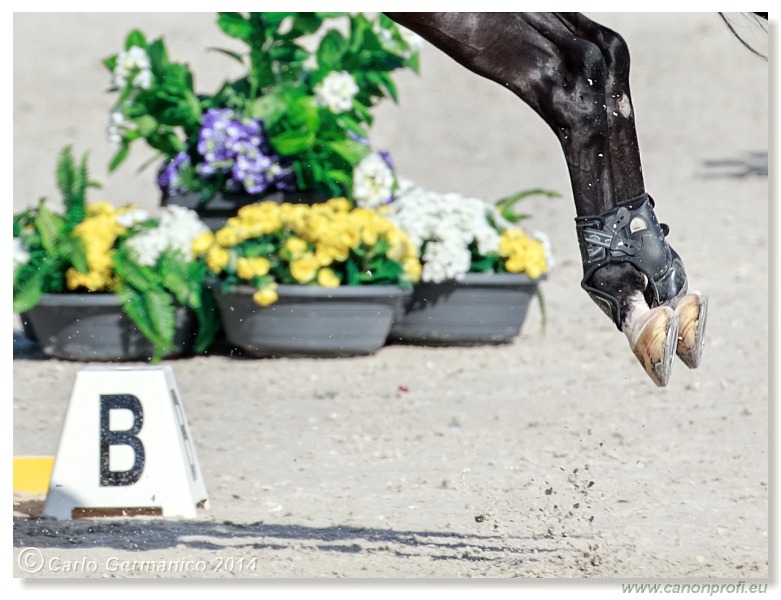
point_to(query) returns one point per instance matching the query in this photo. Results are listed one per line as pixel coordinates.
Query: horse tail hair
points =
(755, 18)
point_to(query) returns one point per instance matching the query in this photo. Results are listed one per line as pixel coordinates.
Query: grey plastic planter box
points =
(311, 320)
(93, 327)
(481, 308)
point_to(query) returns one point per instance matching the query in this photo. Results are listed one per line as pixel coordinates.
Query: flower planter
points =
(311, 320)
(480, 308)
(93, 327)
(221, 207)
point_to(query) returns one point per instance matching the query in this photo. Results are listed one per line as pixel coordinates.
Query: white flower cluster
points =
(117, 126)
(336, 91)
(20, 253)
(130, 62)
(447, 224)
(411, 42)
(373, 182)
(176, 231)
(132, 217)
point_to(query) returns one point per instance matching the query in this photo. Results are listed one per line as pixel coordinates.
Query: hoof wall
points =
(692, 311)
(656, 344)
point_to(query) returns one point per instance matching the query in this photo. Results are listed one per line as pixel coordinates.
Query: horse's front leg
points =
(562, 77)
(691, 308)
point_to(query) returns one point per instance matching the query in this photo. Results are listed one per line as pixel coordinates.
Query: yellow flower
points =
(413, 269)
(294, 217)
(369, 234)
(328, 252)
(515, 264)
(524, 254)
(228, 236)
(401, 247)
(340, 205)
(217, 258)
(296, 247)
(304, 269)
(266, 296)
(327, 278)
(202, 243)
(101, 208)
(247, 268)
(93, 281)
(348, 239)
(260, 218)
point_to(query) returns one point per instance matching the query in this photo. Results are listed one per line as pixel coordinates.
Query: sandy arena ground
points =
(552, 457)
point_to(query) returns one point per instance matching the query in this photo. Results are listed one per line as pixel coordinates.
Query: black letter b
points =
(127, 437)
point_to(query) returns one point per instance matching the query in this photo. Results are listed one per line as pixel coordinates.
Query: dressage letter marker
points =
(125, 448)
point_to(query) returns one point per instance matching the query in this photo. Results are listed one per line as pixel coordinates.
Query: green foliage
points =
(55, 245)
(506, 206)
(279, 87)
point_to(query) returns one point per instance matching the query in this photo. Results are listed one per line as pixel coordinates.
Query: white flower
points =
(336, 91)
(117, 126)
(372, 182)
(21, 255)
(411, 43)
(546, 246)
(412, 40)
(133, 62)
(176, 231)
(445, 225)
(132, 217)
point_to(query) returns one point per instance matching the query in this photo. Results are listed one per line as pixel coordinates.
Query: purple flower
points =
(387, 158)
(169, 177)
(354, 136)
(237, 146)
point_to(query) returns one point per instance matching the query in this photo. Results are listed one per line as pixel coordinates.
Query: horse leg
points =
(692, 308)
(561, 76)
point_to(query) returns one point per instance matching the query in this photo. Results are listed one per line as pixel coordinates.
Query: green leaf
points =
(209, 322)
(235, 25)
(543, 309)
(151, 315)
(51, 228)
(390, 87)
(135, 38)
(305, 112)
(353, 272)
(330, 51)
(345, 121)
(194, 105)
(119, 157)
(293, 142)
(230, 53)
(270, 108)
(162, 315)
(30, 292)
(506, 206)
(73, 249)
(175, 278)
(305, 23)
(146, 125)
(339, 176)
(110, 62)
(352, 151)
(273, 19)
(359, 27)
(144, 279)
(158, 58)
